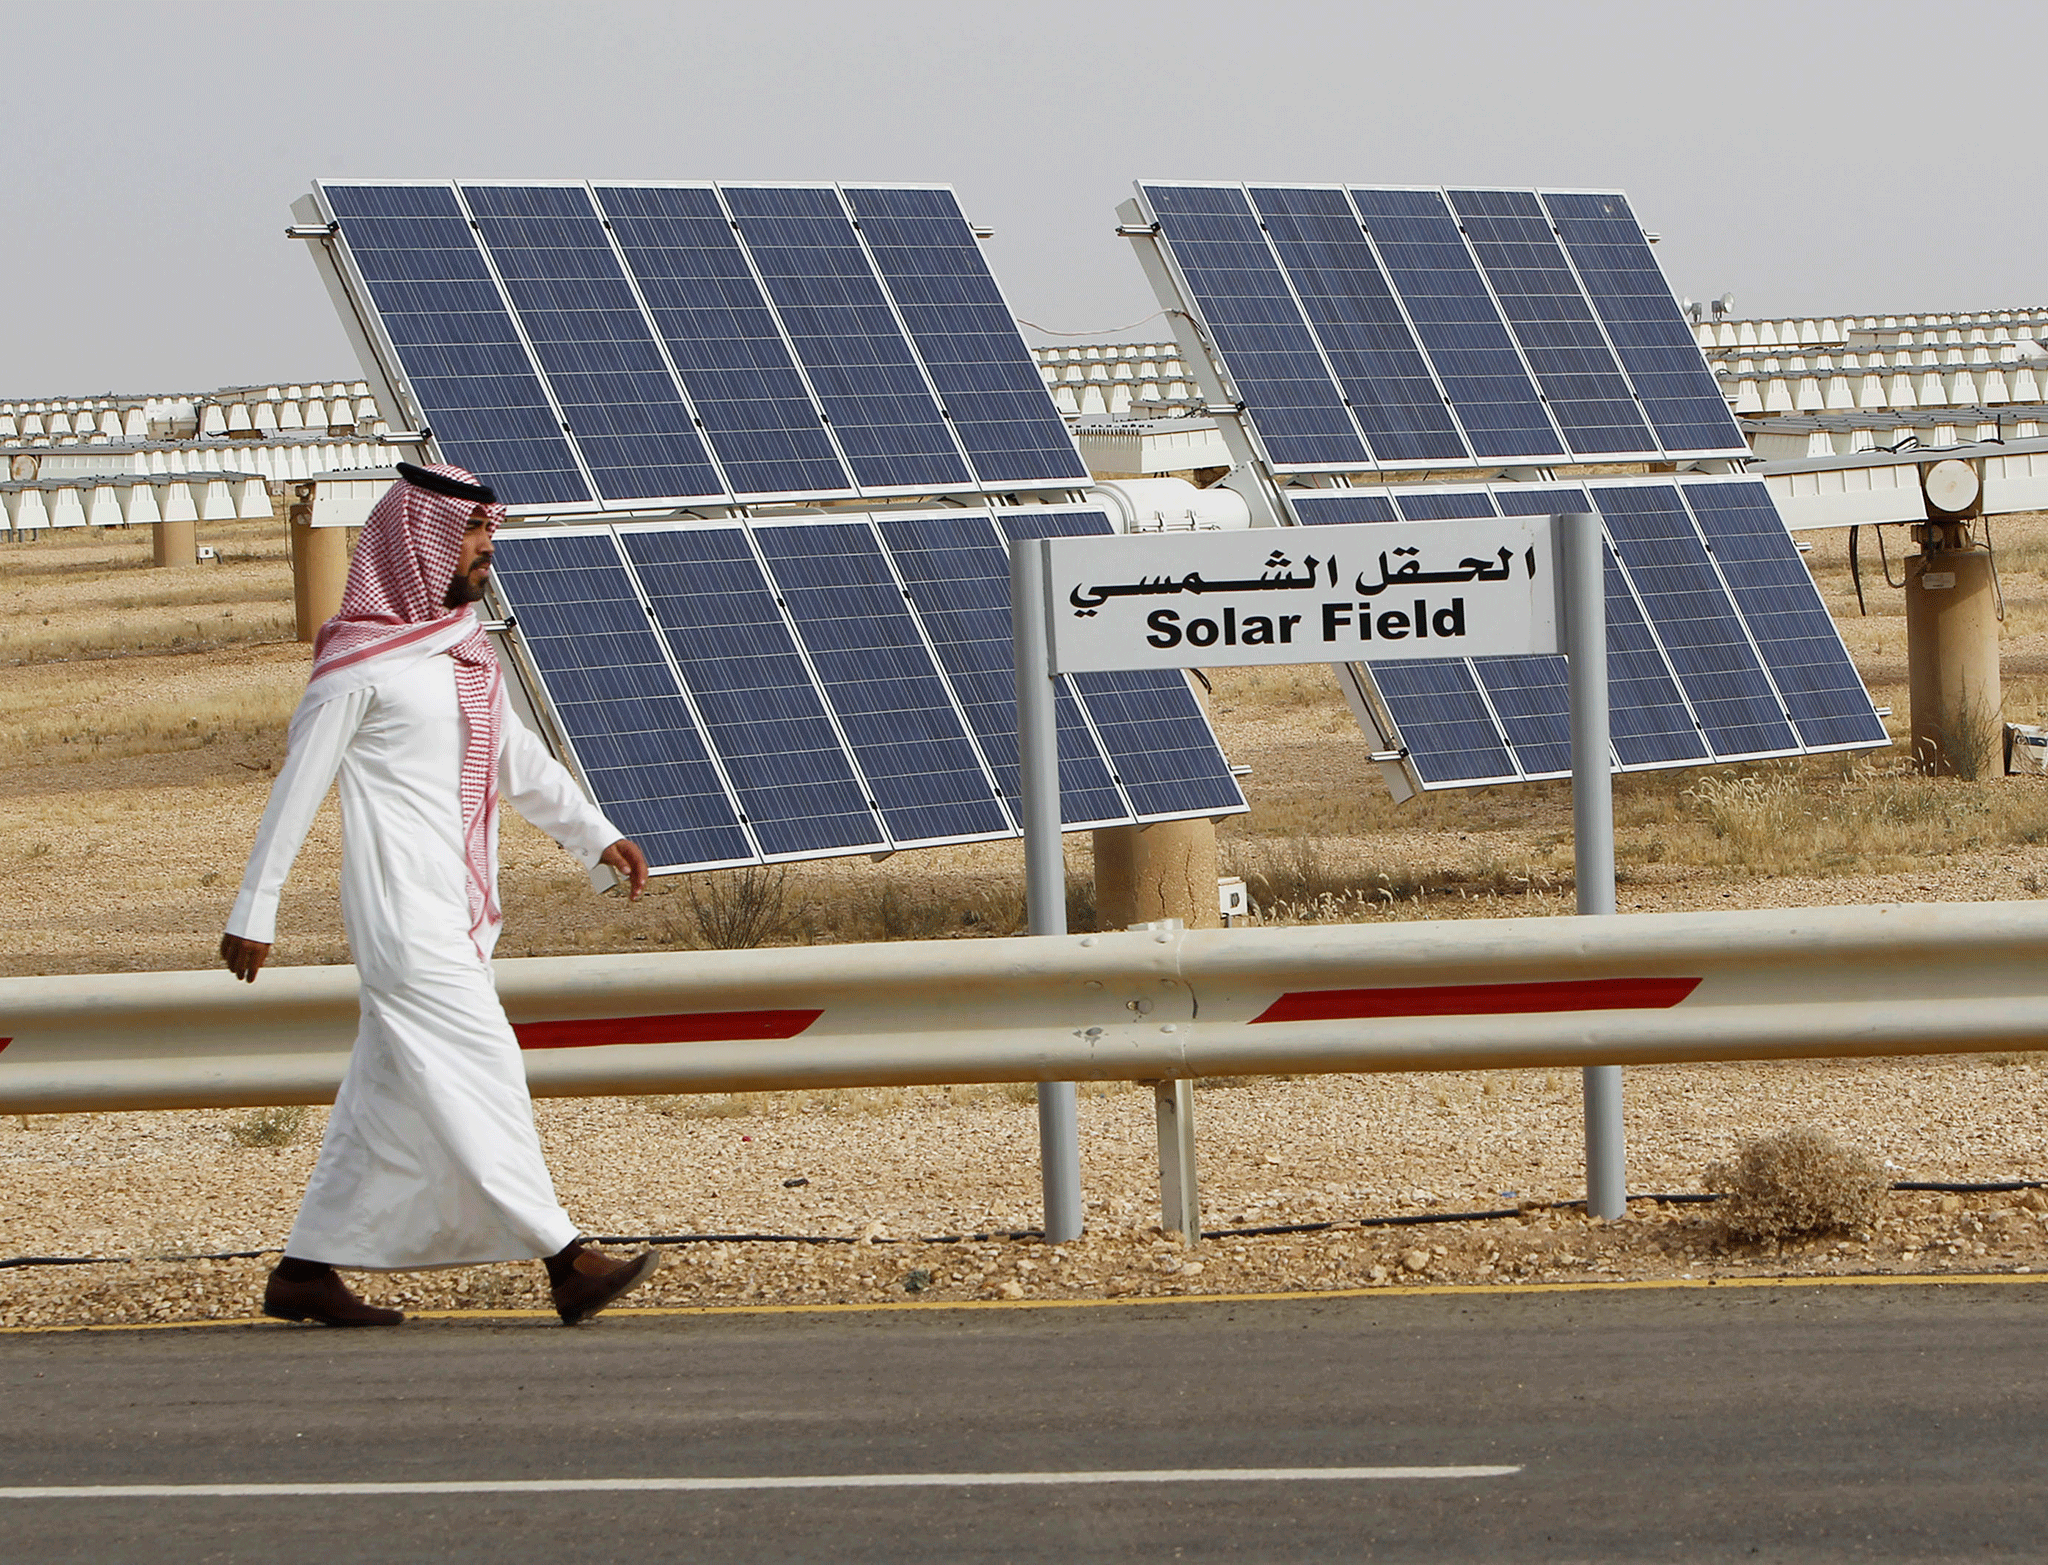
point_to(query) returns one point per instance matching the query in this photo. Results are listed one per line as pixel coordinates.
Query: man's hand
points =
(623, 856)
(245, 958)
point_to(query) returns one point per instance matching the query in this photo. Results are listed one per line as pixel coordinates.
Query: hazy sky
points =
(1812, 158)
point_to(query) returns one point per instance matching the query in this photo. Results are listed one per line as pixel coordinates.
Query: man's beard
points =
(462, 592)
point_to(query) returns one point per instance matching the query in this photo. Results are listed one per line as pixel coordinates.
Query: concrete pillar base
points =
(174, 543)
(319, 565)
(1952, 663)
(1165, 870)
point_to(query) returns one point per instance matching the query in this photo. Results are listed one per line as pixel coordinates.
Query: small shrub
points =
(270, 1127)
(736, 910)
(1796, 1183)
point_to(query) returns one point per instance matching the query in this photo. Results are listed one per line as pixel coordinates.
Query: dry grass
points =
(93, 593)
(272, 1127)
(1797, 1184)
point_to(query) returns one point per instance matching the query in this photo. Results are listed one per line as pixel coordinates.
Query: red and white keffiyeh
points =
(394, 615)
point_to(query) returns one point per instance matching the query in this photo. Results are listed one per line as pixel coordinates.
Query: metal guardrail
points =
(1147, 1005)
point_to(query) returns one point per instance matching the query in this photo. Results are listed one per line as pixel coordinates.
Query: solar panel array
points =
(1406, 328)
(1718, 645)
(595, 347)
(742, 692)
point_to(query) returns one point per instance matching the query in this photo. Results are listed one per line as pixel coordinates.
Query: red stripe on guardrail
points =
(4, 1042)
(1569, 994)
(690, 1027)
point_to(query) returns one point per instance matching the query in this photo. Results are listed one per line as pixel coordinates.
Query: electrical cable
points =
(1107, 331)
(1884, 563)
(1397, 1220)
(1991, 558)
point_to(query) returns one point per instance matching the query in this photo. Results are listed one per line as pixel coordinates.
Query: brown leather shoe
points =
(583, 1281)
(325, 1299)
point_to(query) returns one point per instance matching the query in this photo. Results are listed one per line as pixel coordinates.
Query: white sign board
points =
(1365, 593)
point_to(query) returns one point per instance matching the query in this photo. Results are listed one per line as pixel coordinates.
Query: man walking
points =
(431, 1157)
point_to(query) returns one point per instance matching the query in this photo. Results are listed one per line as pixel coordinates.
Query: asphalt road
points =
(1774, 1424)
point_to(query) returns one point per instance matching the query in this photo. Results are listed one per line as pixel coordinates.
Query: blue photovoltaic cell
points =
(1461, 330)
(616, 394)
(1784, 612)
(1515, 500)
(616, 697)
(1428, 505)
(723, 338)
(1158, 739)
(1647, 719)
(1257, 327)
(1354, 314)
(1553, 322)
(847, 337)
(457, 346)
(1532, 698)
(958, 576)
(967, 337)
(880, 681)
(1337, 507)
(1450, 735)
(758, 700)
(1655, 343)
(1699, 628)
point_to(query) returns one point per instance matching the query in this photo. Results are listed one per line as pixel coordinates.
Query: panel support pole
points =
(319, 565)
(1180, 1205)
(1952, 656)
(1045, 869)
(1583, 569)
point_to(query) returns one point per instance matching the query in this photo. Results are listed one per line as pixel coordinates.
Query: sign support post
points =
(1433, 589)
(1584, 574)
(1045, 868)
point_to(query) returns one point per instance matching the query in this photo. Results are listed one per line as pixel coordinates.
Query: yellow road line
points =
(1387, 1291)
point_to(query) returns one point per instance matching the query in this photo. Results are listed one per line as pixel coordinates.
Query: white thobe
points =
(431, 1157)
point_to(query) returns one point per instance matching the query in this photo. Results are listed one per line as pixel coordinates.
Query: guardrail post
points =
(1180, 1204)
(1584, 572)
(1045, 867)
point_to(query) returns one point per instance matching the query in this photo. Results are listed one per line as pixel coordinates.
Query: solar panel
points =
(1791, 626)
(1459, 324)
(620, 403)
(1552, 321)
(958, 578)
(990, 386)
(805, 687)
(1338, 507)
(1445, 723)
(847, 337)
(1652, 337)
(1155, 733)
(724, 340)
(1542, 327)
(1251, 314)
(1354, 315)
(1532, 698)
(761, 707)
(455, 341)
(1648, 721)
(628, 346)
(880, 679)
(1468, 327)
(1691, 615)
(1432, 505)
(629, 731)
(1736, 659)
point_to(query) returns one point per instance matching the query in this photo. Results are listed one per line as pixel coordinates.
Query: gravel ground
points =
(130, 787)
(884, 1173)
